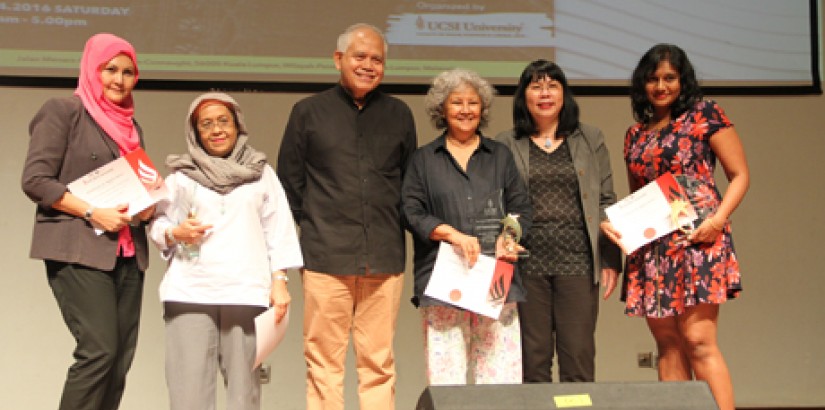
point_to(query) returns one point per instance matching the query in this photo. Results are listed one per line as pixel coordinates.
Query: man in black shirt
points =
(341, 163)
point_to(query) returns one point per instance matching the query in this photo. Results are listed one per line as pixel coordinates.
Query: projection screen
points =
(732, 43)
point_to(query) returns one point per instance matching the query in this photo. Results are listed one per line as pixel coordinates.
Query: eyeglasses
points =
(209, 125)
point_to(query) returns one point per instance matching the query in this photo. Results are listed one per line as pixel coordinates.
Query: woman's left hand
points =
(610, 277)
(507, 250)
(707, 232)
(610, 232)
(279, 299)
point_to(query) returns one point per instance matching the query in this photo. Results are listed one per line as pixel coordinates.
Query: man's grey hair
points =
(447, 82)
(345, 39)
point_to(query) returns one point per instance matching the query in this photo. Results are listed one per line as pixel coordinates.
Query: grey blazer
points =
(66, 143)
(592, 164)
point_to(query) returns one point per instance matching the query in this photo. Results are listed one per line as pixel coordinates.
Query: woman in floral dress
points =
(678, 281)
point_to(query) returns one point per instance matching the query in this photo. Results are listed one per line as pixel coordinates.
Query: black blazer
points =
(66, 143)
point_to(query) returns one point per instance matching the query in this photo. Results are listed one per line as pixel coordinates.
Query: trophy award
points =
(502, 276)
(187, 209)
(700, 196)
(511, 234)
(492, 225)
(190, 250)
(487, 222)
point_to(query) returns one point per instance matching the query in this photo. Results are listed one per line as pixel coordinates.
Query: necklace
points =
(548, 141)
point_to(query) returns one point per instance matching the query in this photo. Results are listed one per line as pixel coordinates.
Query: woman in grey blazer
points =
(97, 280)
(566, 168)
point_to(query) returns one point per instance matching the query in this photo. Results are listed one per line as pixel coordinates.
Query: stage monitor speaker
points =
(691, 395)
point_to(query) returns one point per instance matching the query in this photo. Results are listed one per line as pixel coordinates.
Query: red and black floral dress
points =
(669, 274)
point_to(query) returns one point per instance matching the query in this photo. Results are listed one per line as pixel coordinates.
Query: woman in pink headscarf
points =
(97, 279)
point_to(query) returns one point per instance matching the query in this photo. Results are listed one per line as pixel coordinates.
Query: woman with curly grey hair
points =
(452, 187)
(449, 81)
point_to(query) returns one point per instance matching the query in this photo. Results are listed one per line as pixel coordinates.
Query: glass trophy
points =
(190, 250)
(487, 222)
(187, 209)
(701, 196)
(491, 224)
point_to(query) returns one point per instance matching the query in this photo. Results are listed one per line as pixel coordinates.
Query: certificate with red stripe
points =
(131, 179)
(481, 289)
(655, 210)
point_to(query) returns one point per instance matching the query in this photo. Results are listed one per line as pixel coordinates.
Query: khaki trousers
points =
(336, 306)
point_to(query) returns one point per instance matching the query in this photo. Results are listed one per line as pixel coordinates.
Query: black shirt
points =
(558, 241)
(437, 191)
(342, 168)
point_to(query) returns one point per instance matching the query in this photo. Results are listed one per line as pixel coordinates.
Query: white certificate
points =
(130, 179)
(481, 289)
(651, 212)
(268, 334)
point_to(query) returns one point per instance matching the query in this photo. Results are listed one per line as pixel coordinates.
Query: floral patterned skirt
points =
(670, 274)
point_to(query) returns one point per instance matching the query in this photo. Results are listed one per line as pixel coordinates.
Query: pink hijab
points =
(115, 119)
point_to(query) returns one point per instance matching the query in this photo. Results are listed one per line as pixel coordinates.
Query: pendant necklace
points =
(548, 142)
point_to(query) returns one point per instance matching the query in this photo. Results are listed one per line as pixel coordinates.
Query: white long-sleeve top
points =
(253, 235)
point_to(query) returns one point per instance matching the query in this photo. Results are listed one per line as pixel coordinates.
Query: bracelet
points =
(88, 214)
(713, 225)
(281, 277)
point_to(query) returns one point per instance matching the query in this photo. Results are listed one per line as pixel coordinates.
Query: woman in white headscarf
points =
(229, 237)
